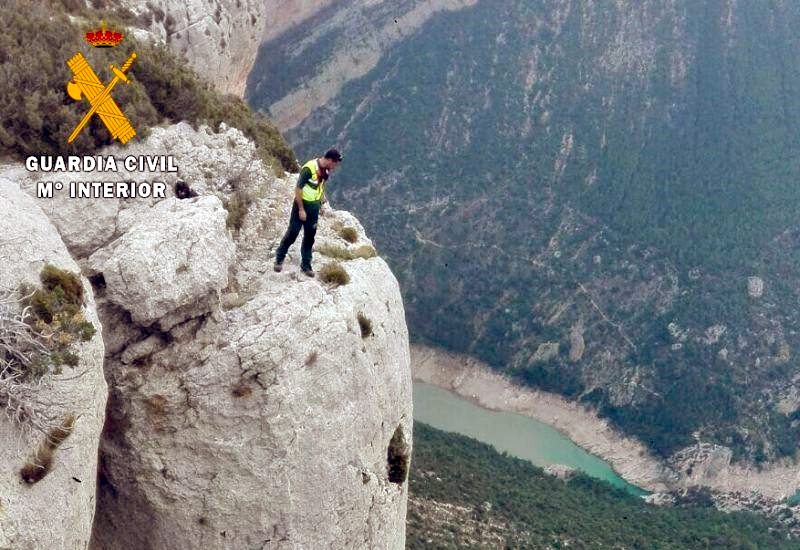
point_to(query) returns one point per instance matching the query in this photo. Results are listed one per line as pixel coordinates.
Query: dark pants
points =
(309, 231)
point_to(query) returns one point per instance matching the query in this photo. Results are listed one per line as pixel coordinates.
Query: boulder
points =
(561, 471)
(81, 233)
(170, 265)
(276, 424)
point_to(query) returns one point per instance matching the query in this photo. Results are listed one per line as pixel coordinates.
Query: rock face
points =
(561, 471)
(368, 30)
(57, 511)
(266, 424)
(577, 345)
(174, 260)
(219, 38)
(281, 420)
(702, 462)
(755, 287)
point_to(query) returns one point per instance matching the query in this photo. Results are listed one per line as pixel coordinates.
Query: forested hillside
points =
(597, 197)
(463, 494)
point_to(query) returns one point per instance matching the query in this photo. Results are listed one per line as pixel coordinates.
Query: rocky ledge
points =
(246, 408)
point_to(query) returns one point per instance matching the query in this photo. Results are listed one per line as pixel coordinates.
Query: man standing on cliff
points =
(309, 194)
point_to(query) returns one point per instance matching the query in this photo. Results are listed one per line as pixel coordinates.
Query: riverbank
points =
(474, 380)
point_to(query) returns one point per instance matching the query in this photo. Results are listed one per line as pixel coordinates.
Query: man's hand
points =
(302, 214)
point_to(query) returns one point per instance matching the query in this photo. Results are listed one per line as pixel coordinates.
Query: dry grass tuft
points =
(397, 457)
(364, 251)
(241, 389)
(365, 324)
(349, 234)
(41, 463)
(156, 405)
(334, 273)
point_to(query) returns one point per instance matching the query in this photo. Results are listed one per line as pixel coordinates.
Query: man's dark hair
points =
(333, 155)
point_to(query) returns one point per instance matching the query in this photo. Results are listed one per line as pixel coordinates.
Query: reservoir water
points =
(515, 434)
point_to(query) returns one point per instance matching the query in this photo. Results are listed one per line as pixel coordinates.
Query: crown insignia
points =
(104, 38)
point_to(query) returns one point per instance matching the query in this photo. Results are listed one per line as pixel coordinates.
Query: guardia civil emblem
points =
(85, 84)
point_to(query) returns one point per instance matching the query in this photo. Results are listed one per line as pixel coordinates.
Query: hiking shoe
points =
(307, 271)
(277, 267)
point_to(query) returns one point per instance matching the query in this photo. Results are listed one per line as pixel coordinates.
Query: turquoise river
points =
(515, 434)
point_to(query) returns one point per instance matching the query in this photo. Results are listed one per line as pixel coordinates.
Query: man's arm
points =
(298, 198)
(302, 179)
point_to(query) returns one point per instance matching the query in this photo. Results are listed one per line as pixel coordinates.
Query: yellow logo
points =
(86, 84)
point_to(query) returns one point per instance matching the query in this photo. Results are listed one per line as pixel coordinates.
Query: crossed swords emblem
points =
(85, 83)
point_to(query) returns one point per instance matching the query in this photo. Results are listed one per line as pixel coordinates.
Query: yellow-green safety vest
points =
(315, 188)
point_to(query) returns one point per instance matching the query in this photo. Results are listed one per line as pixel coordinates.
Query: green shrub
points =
(57, 318)
(70, 283)
(334, 273)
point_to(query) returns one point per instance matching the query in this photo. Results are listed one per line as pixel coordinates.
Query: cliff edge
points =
(246, 408)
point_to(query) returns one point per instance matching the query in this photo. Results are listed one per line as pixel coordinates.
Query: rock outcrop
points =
(184, 250)
(219, 38)
(370, 30)
(56, 509)
(247, 408)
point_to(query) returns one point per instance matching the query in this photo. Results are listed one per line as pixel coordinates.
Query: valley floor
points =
(477, 382)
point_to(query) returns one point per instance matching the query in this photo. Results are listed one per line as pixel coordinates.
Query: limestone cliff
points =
(219, 38)
(352, 37)
(247, 408)
(52, 505)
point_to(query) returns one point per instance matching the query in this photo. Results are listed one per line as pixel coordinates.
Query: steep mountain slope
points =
(357, 32)
(597, 197)
(464, 494)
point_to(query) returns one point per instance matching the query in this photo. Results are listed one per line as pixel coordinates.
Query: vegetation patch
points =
(397, 457)
(241, 389)
(334, 273)
(55, 314)
(349, 234)
(311, 359)
(238, 205)
(38, 327)
(38, 115)
(41, 462)
(364, 251)
(365, 324)
(156, 405)
(534, 510)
